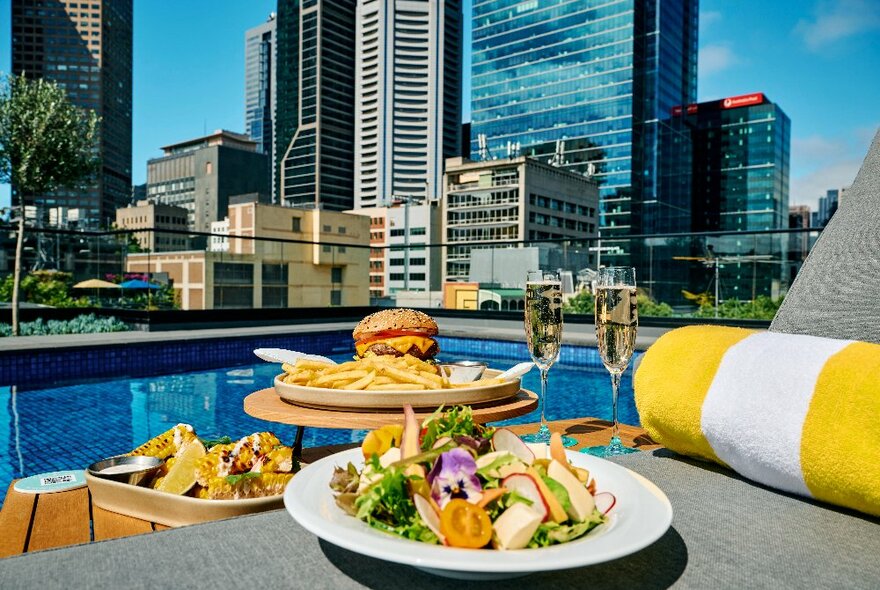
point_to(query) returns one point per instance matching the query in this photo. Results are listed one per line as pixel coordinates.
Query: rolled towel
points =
(798, 413)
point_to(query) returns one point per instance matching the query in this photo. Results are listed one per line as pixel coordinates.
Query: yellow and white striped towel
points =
(798, 413)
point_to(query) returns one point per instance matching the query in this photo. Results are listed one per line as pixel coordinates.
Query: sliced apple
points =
(581, 503)
(515, 527)
(524, 485)
(556, 511)
(440, 442)
(426, 510)
(506, 440)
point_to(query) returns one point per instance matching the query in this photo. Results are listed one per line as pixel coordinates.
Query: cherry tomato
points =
(465, 524)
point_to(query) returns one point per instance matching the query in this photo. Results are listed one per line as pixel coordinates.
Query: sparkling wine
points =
(617, 320)
(543, 320)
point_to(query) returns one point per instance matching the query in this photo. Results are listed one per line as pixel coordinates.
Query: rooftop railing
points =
(691, 276)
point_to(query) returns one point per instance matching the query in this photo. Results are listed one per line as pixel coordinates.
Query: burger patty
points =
(382, 349)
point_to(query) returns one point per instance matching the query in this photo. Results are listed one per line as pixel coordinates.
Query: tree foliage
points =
(762, 308)
(583, 302)
(45, 141)
(45, 287)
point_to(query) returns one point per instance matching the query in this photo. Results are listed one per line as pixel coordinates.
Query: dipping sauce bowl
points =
(462, 371)
(131, 470)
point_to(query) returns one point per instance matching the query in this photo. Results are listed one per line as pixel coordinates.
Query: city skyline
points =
(817, 74)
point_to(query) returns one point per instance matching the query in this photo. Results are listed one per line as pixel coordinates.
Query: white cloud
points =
(708, 18)
(838, 19)
(715, 58)
(826, 163)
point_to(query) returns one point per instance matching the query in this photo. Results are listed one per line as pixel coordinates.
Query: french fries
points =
(372, 373)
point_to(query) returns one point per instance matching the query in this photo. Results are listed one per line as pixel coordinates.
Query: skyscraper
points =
(314, 114)
(86, 49)
(590, 80)
(259, 84)
(739, 179)
(407, 105)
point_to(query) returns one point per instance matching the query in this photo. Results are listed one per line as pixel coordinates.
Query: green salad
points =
(450, 481)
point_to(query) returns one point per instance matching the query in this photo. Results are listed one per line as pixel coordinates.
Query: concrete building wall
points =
(155, 216)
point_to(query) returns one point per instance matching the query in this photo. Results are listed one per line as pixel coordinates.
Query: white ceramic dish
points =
(169, 509)
(321, 397)
(640, 517)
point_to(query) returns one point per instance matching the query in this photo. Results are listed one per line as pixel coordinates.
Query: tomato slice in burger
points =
(390, 334)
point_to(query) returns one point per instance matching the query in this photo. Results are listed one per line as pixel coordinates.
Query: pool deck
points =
(577, 334)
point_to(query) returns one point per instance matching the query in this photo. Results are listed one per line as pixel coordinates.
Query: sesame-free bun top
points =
(395, 319)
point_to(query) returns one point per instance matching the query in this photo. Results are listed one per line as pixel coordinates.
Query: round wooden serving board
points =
(267, 405)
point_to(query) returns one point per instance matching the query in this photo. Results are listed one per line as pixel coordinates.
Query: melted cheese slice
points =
(400, 343)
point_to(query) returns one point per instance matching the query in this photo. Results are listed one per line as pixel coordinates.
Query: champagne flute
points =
(543, 324)
(617, 322)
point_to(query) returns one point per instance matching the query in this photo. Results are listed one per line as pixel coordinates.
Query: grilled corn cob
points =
(249, 448)
(278, 460)
(167, 443)
(267, 484)
(217, 463)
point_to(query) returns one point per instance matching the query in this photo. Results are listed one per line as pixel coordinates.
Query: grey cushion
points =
(837, 292)
(726, 533)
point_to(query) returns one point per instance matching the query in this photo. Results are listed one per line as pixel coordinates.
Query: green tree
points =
(650, 308)
(46, 143)
(46, 287)
(762, 308)
(583, 302)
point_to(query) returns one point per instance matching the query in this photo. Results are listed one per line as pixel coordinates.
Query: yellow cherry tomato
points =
(465, 524)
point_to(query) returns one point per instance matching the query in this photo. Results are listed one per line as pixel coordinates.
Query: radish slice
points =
(429, 515)
(506, 440)
(605, 501)
(524, 485)
(441, 441)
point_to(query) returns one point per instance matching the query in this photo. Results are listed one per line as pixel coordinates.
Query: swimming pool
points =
(70, 426)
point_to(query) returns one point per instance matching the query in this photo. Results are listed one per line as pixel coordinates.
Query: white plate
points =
(322, 397)
(640, 517)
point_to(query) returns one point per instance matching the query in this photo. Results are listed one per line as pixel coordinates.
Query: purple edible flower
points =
(457, 478)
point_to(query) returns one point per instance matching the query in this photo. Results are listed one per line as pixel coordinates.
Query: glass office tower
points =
(88, 52)
(584, 84)
(314, 113)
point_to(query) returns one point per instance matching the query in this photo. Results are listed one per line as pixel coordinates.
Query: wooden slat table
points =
(32, 523)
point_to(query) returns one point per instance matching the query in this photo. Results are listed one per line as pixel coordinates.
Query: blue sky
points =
(816, 58)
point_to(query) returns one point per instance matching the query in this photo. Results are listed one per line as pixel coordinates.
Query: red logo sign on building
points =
(743, 100)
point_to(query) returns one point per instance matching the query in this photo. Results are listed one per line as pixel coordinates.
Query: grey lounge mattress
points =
(726, 533)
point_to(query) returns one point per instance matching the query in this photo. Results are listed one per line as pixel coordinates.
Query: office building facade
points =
(400, 258)
(740, 149)
(202, 174)
(407, 98)
(585, 84)
(146, 215)
(519, 199)
(314, 113)
(259, 85)
(253, 274)
(87, 50)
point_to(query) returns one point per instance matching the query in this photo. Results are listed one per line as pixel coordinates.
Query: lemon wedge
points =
(182, 475)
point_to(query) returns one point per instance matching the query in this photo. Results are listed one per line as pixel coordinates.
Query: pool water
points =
(69, 427)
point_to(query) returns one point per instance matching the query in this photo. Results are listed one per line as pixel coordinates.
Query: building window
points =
(328, 229)
(335, 297)
(341, 229)
(327, 248)
(296, 224)
(209, 168)
(336, 274)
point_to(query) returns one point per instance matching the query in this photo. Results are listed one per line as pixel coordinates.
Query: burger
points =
(396, 332)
